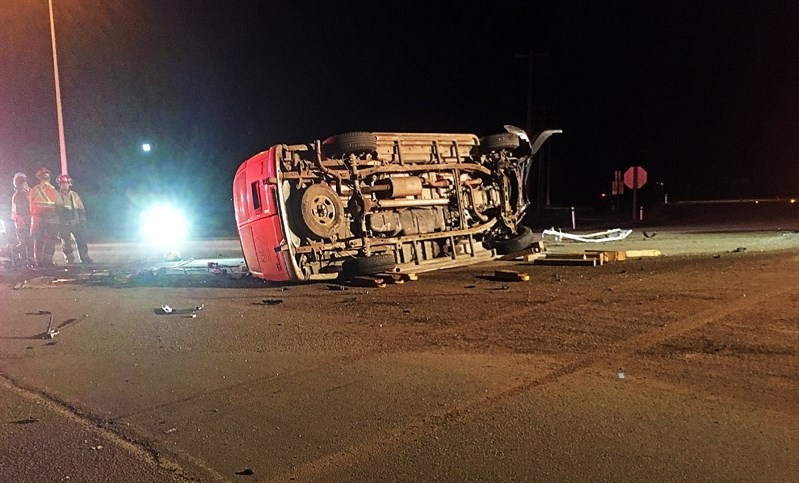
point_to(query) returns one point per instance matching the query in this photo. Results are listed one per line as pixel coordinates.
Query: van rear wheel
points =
(516, 243)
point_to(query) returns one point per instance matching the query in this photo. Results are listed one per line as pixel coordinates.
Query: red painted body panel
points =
(258, 217)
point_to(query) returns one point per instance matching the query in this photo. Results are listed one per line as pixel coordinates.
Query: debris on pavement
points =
(245, 472)
(739, 250)
(25, 421)
(511, 276)
(599, 237)
(364, 281)
(167, 310)
(270, 302)
(642, 253)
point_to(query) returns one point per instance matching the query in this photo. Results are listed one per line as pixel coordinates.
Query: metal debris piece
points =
(26, 421)
(270, 302)
(599, 237)
(51, 332)
(167, 310)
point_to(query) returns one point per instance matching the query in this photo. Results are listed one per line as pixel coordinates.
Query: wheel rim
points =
(321, 210)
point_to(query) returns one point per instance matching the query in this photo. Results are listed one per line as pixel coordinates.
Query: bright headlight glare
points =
(163, 225)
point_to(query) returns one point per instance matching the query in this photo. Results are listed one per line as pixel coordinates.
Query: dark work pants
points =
(25, 247)
(44, 240)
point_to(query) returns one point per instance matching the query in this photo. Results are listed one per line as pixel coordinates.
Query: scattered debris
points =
(511, 276)
(739, 250)
(599, 237)
(649, 235)
(167, 310)
(642, 253)
(51, 332)
(25, 421)
(338, 287)
(170, 430)
(245, 472)
(365, 281)
(270, 302)
(620, 375)
(392, 278)
(609, 256)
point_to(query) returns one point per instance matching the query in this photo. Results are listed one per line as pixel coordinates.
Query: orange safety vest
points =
(43, 204)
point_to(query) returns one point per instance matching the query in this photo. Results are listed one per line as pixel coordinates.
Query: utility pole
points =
(529, 127)
(61, 142)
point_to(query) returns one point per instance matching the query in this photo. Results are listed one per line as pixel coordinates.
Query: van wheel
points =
(358, 142)
(322, 210)
(499, 142)
(515, 243)
(377, 263)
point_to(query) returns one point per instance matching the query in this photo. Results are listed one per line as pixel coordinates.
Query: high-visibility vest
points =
(43, 202)
(70, 207)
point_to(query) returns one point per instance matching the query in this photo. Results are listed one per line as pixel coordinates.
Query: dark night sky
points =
(704, 97)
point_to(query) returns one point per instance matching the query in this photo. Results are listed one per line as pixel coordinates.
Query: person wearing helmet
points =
(44, 219)
(72, 221)
(21, 214)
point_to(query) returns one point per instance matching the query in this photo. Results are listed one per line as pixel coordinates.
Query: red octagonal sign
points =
(635, 177)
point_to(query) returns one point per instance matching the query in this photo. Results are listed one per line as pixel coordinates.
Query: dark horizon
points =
(702, 96)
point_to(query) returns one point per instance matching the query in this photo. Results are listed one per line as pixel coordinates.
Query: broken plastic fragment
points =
(167, 309)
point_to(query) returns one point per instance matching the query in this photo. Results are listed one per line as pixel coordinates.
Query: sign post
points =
(634, 178)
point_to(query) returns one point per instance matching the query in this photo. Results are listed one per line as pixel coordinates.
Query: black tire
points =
(377, 263)
(321, 211)
(499, 142)
(358, 142)
(523, 239)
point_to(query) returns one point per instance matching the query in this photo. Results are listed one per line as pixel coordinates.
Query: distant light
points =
(603, 195)
(757, 202)
(146, 147)
(163, 225)
(793, 200)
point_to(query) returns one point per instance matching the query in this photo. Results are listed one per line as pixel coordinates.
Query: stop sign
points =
(635, 177)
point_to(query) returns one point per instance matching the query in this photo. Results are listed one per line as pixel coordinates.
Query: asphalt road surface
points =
(678, 367)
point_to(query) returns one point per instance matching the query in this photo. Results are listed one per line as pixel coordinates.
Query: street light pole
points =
(61, 142)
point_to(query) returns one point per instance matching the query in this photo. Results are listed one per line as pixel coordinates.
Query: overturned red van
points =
(363, 203)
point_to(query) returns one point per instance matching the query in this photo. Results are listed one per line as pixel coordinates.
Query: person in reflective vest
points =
(44, 219)
(72, 221)
(21, 214)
